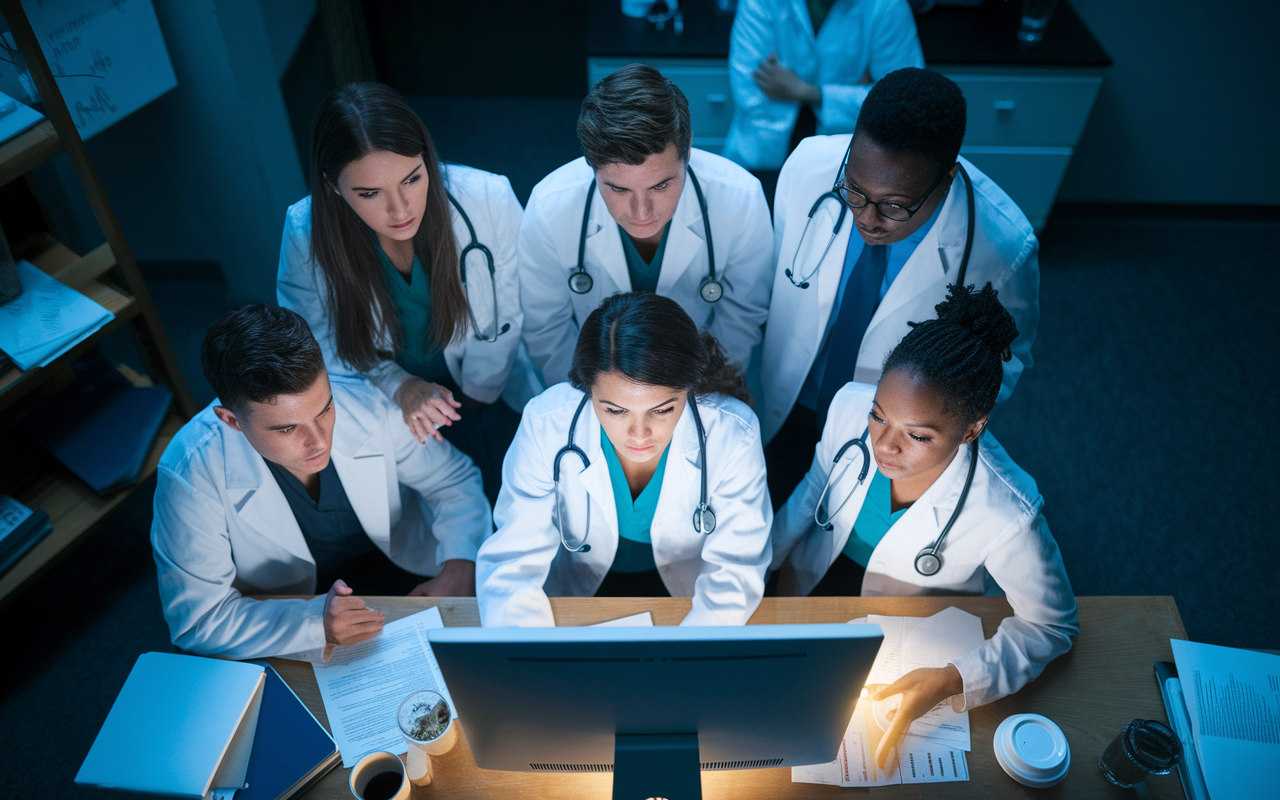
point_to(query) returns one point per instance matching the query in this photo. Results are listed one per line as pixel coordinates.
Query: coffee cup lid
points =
(1032, 750)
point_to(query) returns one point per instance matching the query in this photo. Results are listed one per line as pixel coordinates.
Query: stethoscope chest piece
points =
(580, 282)
(711, 290)
(704, 519)
(928, 562)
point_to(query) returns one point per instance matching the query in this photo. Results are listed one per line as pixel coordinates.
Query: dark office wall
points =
(1190, 111)
(480, 48)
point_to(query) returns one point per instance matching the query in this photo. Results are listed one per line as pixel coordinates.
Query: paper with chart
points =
(363, 685)
(108, 56)
(1233, 699)
(934, 748)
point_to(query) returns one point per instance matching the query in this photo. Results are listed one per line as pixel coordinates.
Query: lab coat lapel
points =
(800, 11)
(604, 247)
(924, 520)
(360, 463)
(827, 280)
(257, 499)
(685, 240)
(935, 259)
(681, 488)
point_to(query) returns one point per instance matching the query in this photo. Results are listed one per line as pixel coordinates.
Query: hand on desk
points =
(347, 619)
(426, 408)
(457, 579)
(921, 690)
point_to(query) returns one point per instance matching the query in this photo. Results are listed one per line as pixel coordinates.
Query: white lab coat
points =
(860, 41)
(1004, 252)
(484, 370)
(524, 562)
(999, 543)
(223, 528)
(548, 252)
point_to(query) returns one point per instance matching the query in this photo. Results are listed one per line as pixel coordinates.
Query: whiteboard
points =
(108, 57)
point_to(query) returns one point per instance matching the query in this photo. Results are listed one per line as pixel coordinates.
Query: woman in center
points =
(641, 476)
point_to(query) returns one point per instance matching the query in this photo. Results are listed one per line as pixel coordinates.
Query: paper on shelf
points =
(15, 117)
(47, 319)
(364, 684)
(1233, 699)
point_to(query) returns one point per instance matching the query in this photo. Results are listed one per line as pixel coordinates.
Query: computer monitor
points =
(655, 705)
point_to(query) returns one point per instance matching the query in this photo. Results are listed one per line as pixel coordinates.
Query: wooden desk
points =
(1091, 692)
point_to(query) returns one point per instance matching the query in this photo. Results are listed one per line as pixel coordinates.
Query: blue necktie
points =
(861, 297)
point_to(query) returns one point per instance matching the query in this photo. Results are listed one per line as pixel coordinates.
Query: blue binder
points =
(291, 750)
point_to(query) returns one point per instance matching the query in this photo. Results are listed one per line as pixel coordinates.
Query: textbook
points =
(20, 530)
(181, 726)
(291, 750)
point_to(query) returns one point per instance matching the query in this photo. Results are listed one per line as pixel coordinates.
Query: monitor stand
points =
(656, 766)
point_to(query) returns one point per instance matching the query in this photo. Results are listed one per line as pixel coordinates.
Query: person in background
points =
(604, 489)
(842, 300)
(291, 480)
(798, 68)
(633, 215)
(933, 466)
(381, 260)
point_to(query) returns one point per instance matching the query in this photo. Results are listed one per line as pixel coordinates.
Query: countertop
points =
(983, 35)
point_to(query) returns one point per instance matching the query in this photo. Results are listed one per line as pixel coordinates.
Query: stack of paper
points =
(934, 747)
(1233, 701)
(47, 319)
(15, 117)
(364, 684)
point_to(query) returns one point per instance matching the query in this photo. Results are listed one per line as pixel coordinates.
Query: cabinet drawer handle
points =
(718, 97)
(1004, 105)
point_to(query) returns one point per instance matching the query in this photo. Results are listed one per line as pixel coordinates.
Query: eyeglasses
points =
(897, 213)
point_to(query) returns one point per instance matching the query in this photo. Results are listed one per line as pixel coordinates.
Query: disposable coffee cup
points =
(379, 776)
(427, 723)
(1032, 750)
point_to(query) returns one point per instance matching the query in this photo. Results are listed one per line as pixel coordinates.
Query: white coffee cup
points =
(377, 763)
(1032, 750)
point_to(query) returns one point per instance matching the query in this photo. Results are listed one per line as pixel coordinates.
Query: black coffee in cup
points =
(383, 786)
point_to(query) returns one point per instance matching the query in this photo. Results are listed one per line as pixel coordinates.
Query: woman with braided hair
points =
(907, 495)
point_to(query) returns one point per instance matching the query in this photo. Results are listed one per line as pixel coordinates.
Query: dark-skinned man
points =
(842, 298)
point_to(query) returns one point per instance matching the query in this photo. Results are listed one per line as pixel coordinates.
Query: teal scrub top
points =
(644, 275)
(412, 298)
(874, 520)
(635, 518)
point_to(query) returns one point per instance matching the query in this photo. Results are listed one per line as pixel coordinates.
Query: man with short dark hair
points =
(633, 215)
(842, 301)
(290, 477)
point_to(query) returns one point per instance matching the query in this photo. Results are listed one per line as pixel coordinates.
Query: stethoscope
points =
(803, 282)
(476, 246)
(928, 560)
(711, 290)
(704, 519)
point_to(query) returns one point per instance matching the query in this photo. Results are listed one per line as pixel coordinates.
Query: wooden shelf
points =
(81, 273)
(28, 150)
(75, 510)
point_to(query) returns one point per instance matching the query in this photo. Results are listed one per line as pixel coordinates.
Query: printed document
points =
(1233, 699)
(934, 748)
(364, 684)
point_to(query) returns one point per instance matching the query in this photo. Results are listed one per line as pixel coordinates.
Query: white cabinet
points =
(1023, 122)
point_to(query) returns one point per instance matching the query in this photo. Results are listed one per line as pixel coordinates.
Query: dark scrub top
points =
(874, 520)
(412, 298)
(635, 517)
(329, 524)
(644, 274)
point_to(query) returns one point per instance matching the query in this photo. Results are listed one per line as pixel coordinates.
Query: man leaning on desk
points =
(292, 479)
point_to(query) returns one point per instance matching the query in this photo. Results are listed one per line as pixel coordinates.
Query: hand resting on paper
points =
(921, 690)
(347, 619)
(457, 579)
(426, 408)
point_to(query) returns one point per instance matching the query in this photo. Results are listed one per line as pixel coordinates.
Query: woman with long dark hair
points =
(380, 260)
(908, 494)
(641, 476)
